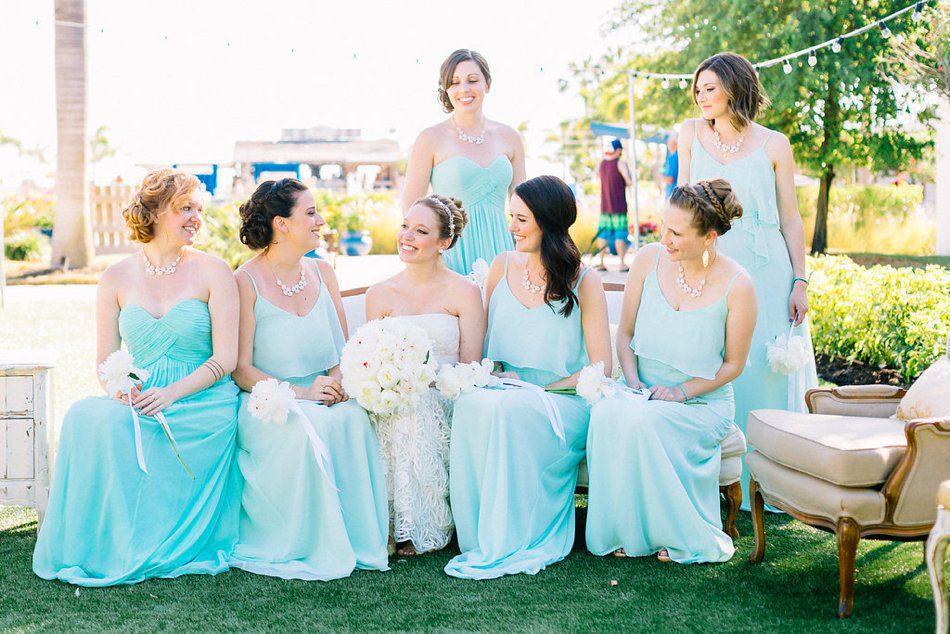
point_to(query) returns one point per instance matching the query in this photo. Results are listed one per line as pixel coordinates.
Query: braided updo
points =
(451, 214)
(160, 189)
(270, 200)
(713, 203)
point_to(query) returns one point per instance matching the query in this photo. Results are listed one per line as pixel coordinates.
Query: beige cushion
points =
(929, 396)
(851, 451)
(733, 445)
(812, 496)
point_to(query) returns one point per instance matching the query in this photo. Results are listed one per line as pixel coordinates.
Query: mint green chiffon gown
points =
(654, 465)
(108, 522)
(756, 243)
(483, 191)
(511, 479)
(294, 525)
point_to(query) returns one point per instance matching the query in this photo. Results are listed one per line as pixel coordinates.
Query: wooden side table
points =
(936, 547)
(26, 416)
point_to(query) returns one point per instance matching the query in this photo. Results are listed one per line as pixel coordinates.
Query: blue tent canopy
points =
(623, 132)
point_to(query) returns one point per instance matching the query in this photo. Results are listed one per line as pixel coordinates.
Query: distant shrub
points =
(25, 245)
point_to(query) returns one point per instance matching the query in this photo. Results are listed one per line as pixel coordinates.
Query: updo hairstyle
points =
(713, 203)
(554, 209)
(741, 84)
(452, 215)
(160, 189)
(270, 200)
(448, 69)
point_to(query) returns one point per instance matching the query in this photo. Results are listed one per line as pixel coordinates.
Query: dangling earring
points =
(441, 250)
(706, 258)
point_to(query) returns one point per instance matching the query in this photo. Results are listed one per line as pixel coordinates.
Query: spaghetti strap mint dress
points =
(483, 191)
(755, 242)
(511, 478)
(294, 525)
(108, 522)
(654, 465)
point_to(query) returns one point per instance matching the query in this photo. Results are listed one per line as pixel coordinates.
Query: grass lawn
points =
(794, 589)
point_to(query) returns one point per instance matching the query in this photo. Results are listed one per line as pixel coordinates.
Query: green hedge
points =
(884, 316)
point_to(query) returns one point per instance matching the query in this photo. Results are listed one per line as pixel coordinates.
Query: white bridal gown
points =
(415, 450)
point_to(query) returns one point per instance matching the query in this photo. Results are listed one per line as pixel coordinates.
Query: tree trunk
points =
(72, 233)
(819, 240)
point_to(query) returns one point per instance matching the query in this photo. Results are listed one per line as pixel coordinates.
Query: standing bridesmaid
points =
(769, 240)
(688, 315)
(468, 157)
(108, 522)
(514, 453)
(295, 524)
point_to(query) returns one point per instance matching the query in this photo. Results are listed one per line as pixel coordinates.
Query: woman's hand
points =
(798, 303)
(664, 393)
(154, 399)
(326, 390)
(507, 375)
(124, 398)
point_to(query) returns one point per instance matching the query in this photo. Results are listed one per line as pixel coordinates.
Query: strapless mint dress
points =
(294, 525)
(109, 523)
(483, 191)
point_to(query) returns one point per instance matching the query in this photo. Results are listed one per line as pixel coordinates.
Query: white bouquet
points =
(464, 377)
(592, 385)
(387, 364)
(788, 354)
(272, 401)
(120, 375)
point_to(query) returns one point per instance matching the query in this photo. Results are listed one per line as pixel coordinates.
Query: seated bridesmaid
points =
(687, 320)
(108, 521)
(513, 468)
(294, 523)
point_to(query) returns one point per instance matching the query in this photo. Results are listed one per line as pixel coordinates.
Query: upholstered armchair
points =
(847, 467)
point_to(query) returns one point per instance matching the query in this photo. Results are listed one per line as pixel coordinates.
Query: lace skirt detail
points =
(415, 450)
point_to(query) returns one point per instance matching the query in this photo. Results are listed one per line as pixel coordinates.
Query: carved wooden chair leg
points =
(936, 547)
(758, 521)
(733, 494)
(848, 534)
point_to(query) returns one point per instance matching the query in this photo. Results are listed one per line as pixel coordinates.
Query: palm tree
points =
(72, 233)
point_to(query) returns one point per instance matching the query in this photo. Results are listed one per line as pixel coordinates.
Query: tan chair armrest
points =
(911, 489)
(873, 401)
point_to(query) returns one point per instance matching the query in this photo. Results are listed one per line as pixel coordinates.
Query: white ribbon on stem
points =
(796, 383)
(554, 415)
(321, 452)
(137, 429)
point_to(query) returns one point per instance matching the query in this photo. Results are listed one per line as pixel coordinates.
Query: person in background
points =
(671, 169)
(612, 228)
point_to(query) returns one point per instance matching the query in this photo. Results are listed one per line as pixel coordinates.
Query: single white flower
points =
(787, 355)
(271, 400)
(479, 274)
(591, 383)
(119, 373)
(449, 381)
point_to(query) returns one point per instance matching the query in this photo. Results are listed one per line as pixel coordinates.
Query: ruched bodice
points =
(545, 342)
(483, 191)
(296, 348)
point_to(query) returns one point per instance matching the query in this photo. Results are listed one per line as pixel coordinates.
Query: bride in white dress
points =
(415, 446)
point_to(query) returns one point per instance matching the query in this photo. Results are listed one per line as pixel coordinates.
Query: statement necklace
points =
(468, 138)
(290, 291)
(725, 148)
(685, 287)
(168, 269)
(530, 286)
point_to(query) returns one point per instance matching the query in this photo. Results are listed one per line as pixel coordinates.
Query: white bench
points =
(733, 447)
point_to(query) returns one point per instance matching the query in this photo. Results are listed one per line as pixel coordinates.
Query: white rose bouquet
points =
(387, 364)
(120, 375)
(788, 354)
(464, 377)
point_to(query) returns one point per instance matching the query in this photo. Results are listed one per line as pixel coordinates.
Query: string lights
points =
(785, 61)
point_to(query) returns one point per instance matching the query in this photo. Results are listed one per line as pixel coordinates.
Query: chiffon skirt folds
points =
(293, 524)
(109, 523)
(654, 473)
(512, 481)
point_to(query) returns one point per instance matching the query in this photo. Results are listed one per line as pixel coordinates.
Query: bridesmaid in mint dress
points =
(299, 521)
(468, 157)
(108, 521)
(684, 333)
(769, 240)
(512, 466)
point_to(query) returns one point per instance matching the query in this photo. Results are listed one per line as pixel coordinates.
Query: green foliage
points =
(22, 214)
(221, 234)
(926, 64)
(25, 245)
(883, 316)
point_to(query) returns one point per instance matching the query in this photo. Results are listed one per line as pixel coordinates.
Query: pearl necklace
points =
(530, 286)
(168, 269)
(290, 291)
(725, 148)
(468, 138)
(686, 288)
